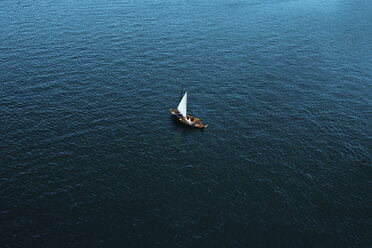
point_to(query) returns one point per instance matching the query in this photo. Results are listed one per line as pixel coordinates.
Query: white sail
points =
(182, 107)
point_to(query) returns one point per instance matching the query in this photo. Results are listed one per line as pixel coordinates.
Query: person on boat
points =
(189, 120)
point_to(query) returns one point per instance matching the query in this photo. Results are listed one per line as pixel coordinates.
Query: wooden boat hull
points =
(195, 121)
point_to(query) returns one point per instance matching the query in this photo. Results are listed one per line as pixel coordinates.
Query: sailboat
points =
(182, 116)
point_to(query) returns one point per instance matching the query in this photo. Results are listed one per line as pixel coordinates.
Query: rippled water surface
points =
(90, 156)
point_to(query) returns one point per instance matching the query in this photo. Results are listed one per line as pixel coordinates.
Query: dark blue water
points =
(90, 156)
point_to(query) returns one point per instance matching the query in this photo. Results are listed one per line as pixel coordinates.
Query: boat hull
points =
(195, 121)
